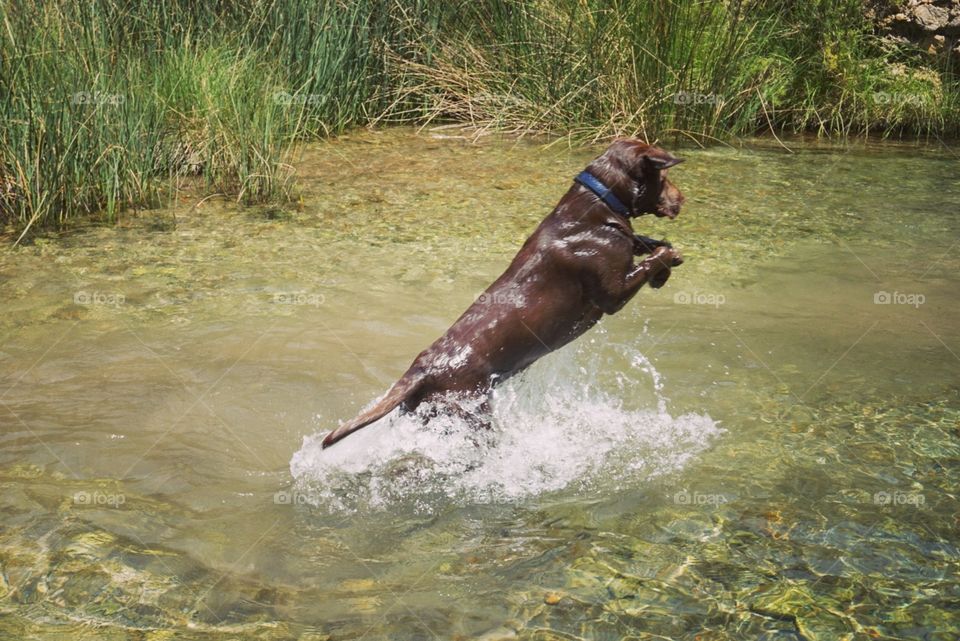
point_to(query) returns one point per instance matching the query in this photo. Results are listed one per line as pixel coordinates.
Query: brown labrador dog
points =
(576, 267)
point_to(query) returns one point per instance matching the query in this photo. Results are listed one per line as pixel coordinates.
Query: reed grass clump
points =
(677, 69)
(109, 105)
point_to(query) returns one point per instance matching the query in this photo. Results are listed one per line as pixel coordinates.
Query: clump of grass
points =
(108, 104)
(842, 79)
(670, 67)
(224, 120)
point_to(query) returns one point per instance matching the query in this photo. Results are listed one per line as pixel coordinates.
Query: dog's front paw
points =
(660, 263)
(666, 256)
(660, 278)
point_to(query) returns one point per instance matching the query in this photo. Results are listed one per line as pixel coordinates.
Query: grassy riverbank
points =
(107, 104)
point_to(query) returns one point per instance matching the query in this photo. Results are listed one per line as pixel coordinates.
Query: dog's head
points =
(637, 173)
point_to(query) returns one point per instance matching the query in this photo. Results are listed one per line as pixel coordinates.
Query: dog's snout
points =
(670, 200)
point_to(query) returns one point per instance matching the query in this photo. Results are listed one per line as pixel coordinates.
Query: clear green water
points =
(756, 451)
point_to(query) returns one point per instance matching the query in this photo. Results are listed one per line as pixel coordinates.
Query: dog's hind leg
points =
(479, 417)
(473, 412)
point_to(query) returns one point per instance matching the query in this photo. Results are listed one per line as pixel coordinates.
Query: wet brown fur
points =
(576, 266)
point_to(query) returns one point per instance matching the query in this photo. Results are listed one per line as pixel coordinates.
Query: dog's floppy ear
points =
(660, 160)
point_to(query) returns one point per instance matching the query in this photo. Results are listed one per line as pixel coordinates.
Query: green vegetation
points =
(111, 104)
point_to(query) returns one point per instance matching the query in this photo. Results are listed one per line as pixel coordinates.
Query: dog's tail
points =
(401, 391)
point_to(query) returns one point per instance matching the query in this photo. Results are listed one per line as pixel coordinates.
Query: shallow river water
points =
(766, 448)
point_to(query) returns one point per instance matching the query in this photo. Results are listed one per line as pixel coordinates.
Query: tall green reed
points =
(109, 105)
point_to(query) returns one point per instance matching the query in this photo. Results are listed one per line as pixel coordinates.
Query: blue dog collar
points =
(603, 192)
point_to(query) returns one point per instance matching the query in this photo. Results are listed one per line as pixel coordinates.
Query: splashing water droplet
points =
(553, 428)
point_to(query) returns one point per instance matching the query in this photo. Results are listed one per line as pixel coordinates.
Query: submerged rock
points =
(815, 617)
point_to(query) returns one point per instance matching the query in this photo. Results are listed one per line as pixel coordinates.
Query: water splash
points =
(556, 427)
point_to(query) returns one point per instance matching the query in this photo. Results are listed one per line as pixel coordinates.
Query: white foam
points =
(554, 428)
